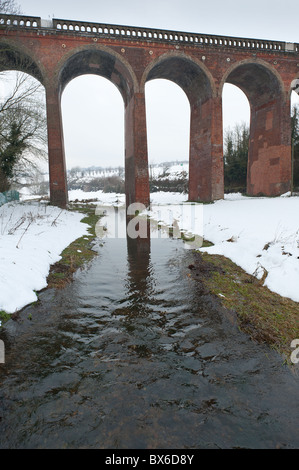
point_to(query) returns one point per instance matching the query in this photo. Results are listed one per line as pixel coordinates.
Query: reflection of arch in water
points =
(139, 270)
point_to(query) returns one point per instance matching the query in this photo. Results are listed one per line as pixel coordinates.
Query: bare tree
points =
(23, 135)
(9, 7)
(22, 117)
(23, 89)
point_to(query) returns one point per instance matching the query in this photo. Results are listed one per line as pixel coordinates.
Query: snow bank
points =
(112, 198)
(168, 198)
(258, 234)
(169, 171)
(32, 236)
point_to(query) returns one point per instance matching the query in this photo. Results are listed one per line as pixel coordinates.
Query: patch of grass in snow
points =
(264, 315)
(78, 253)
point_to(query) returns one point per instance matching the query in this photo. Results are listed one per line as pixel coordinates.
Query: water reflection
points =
(139, 280)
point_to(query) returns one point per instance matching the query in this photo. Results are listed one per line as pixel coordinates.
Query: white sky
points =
(92, 106)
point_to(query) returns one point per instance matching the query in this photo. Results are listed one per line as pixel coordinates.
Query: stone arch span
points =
(269, 156)
(100, 61)
(19, 58)
(106, 63)
(205, 153)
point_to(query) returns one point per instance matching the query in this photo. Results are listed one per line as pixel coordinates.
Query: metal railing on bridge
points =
(18, 21)
(132, 33)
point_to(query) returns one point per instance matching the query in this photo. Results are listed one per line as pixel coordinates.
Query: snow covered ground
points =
(32, 236)
(171, 171)
(258, 234)
(112, 198)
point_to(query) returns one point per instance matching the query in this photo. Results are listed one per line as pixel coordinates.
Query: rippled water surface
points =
(133, 355)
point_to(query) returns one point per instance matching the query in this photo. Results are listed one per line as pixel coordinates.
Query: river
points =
(135, 355)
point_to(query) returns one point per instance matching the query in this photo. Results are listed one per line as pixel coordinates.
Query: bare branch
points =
(23, 130)
(24, 89)
(9, 7)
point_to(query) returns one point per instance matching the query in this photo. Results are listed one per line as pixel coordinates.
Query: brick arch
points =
(256, 78)
(187, 72)
(104, 62)
(14, 56)
(205, 153)
(269, 157)
(100, 61)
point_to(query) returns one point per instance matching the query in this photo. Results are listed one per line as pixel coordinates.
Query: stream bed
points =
(133, 355)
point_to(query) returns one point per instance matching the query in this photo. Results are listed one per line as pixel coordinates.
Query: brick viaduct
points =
(56, 51)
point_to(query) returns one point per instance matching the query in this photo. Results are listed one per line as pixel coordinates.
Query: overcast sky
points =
(92, 106)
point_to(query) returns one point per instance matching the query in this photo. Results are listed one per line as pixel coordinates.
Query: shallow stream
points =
(133, 355)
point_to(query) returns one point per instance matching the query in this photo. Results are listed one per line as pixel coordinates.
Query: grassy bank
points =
(264, 315)
(78, 253)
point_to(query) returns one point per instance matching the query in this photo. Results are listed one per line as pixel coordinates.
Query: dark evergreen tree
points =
(295, 144)
(235, 158)
(13, 146)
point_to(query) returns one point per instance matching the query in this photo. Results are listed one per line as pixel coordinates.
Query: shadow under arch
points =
(12, 57)
(205, 153)
(269, 155)
(191, 75)
(256, 78)
(98, 61)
